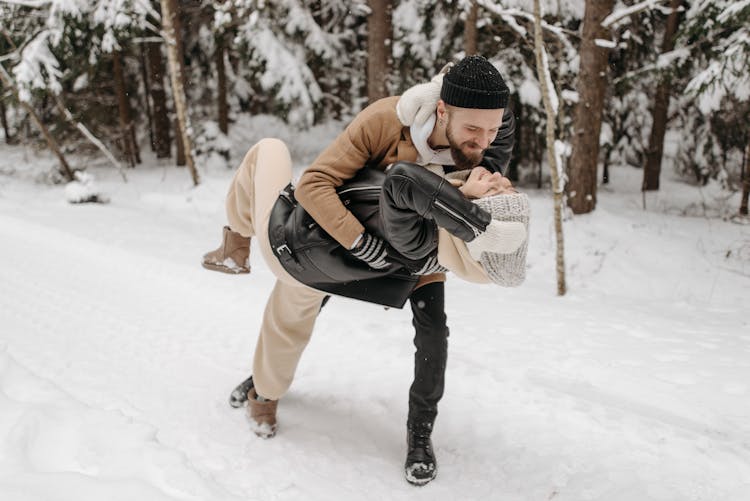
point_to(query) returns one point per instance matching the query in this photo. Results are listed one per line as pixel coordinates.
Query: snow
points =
(606, 44)
(626, 12)
(530, 93)
(570, 96)
(733, 9)
(118, 353)
(506, 13)
(37, 68)
(554, 101)
(297, 82)
(83, 189)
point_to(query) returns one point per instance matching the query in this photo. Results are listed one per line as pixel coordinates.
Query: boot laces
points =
(422, 442)
(420, 439)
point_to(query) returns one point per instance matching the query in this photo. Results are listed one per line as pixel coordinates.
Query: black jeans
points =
(431, 341)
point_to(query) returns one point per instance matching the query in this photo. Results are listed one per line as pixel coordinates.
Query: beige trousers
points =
(292, 307)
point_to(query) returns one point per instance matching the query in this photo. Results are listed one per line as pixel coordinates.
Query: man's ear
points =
(442, 111)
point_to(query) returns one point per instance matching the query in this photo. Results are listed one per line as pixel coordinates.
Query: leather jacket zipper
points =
(360, 188)
(366, 191)
(458, 217)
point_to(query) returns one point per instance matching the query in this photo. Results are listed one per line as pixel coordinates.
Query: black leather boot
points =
(421, 466)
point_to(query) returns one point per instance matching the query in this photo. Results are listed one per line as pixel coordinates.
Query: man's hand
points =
(371, 250)
(483, 183)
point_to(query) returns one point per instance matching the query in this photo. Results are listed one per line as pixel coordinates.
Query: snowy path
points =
(117, 354)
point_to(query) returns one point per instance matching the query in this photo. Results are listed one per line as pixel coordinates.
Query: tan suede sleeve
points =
(373, 135)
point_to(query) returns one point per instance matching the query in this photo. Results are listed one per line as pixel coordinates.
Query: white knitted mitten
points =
(419, 102)
(500, 237)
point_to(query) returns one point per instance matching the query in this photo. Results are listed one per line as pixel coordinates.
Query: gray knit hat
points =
(508, 270)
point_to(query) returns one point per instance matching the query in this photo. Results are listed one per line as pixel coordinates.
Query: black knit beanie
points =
(474, 83)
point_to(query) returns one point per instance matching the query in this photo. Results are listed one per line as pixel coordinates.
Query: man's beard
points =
(461, 159)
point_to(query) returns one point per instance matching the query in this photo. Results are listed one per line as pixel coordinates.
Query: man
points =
(467, 129)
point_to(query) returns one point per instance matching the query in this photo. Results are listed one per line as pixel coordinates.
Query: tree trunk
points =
(123, 107)
(65, 169)
(516, 157)
(176, 19)
(4, 118)
(470, 29)
(379, 35)
(557, 189)
(162, 145)
(587, 122)
(180, 159)
(652, 167)
(222, 85)
(169, 15)
(745, 180)
(605, 167)
(147, 92)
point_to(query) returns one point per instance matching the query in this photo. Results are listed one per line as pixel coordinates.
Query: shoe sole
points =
(225, 269)
(238, 398)
(419, 482)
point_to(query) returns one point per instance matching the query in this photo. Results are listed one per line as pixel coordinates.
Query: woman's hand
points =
(483, 183)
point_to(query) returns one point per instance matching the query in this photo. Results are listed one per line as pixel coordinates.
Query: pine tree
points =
(379, 35)
(652, 167)
(592, 82)
(715, 102)
(158, 98)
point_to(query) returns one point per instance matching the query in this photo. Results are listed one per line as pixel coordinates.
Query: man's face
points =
(470, 132)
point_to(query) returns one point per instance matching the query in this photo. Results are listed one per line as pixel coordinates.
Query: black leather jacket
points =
(403, 206)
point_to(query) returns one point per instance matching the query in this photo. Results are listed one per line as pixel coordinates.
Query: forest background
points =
(661, 84)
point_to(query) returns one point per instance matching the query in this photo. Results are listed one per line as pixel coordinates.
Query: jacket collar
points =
(406, 150)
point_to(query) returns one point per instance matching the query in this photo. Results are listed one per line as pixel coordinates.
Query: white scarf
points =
(419, 135)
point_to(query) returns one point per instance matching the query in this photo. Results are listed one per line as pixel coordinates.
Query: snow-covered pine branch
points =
(621, 14)
(34, 4)
(287, 73)
(37, 68)
(499, 10)
(724, 73)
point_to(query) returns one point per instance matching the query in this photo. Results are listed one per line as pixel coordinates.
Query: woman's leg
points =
(244, 199)
(292, 307)
(415, 201)
(287, 326)
(266, 168)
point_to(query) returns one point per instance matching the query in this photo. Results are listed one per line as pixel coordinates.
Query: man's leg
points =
(431, 341)
(288, 323)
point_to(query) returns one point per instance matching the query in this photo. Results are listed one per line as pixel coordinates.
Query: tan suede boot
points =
(232, 256)
(262, 414)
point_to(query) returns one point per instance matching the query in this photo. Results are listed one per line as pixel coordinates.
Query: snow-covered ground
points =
(118, 353)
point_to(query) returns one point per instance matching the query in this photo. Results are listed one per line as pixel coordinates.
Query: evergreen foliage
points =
(305, 61)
